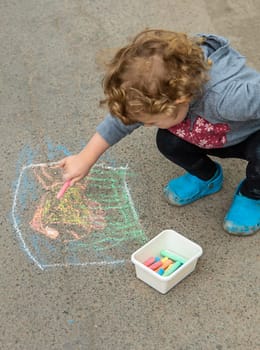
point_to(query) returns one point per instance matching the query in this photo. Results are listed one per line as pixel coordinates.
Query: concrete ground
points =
(50, 59)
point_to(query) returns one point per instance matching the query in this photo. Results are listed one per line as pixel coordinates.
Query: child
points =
(204, 101)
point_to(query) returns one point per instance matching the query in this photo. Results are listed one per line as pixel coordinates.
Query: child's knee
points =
(253, 148)
(167, 142)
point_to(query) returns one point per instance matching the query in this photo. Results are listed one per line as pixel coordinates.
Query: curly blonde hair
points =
(154, 71)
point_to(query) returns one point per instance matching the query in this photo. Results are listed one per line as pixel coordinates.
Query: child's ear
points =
(182, 100)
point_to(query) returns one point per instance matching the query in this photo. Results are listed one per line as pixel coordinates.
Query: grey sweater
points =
(227, 112)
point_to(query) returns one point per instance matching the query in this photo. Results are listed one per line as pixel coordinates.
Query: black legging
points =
(195, 160)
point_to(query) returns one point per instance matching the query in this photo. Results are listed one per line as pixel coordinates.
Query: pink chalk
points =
(64, 188)
(155, 265)
(149, 261)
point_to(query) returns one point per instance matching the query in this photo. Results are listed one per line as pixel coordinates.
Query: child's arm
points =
(77, 166)
(109, 132)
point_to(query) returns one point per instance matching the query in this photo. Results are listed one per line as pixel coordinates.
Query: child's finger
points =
(61, 163)
(56, 165)
(75, 179)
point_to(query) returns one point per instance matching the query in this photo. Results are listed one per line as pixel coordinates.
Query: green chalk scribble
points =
(96, 213)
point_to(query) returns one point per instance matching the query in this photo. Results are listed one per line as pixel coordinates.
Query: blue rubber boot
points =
(188, 188)
(243, 217)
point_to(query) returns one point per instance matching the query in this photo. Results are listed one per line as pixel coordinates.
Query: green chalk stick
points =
(174, 267)
(173, 256)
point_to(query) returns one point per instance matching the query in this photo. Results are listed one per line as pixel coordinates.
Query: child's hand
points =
(74, 168)
(78, 166)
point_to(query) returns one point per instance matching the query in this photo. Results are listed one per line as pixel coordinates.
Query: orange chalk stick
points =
(167, 263)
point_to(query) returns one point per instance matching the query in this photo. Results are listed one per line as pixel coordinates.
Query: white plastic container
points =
(174, 242)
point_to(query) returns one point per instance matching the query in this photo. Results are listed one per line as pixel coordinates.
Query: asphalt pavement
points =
(75, 287)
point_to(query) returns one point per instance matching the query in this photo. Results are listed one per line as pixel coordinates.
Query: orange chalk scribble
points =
(70, 218)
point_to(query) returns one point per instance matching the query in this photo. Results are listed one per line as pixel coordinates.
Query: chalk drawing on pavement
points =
(95, 222)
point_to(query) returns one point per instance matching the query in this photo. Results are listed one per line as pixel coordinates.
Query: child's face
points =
(163, 121)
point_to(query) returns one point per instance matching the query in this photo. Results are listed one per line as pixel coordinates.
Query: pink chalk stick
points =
(149, 261)
(155, 265)
(64, 188)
